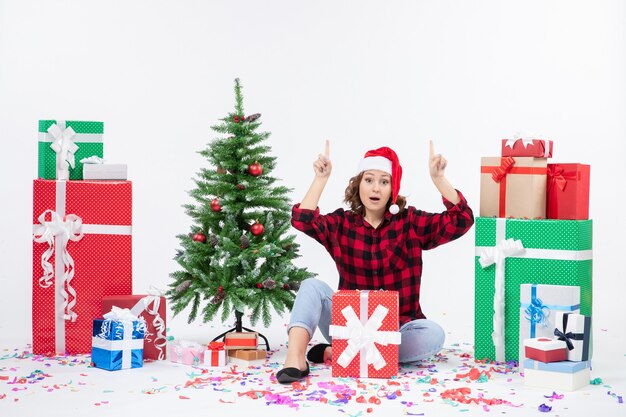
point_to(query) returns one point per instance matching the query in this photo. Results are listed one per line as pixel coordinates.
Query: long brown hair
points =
(354, 201)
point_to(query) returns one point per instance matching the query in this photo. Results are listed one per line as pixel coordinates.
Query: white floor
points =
(31, 386)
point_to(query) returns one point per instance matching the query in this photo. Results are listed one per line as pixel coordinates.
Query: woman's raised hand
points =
(322, 165)
(436, 162)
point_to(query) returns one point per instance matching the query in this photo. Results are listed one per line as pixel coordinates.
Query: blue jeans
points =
(421, 338)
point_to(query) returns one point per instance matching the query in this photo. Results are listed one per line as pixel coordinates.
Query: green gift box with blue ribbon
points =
(512, 252)
(63, 144)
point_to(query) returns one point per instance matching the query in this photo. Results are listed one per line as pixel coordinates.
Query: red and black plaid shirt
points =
(390, 256)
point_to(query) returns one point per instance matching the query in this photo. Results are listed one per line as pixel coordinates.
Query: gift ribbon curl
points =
(59, 230)
(151, 304)
(364, 337)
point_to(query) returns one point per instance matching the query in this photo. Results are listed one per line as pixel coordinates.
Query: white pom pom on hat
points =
(386, 160)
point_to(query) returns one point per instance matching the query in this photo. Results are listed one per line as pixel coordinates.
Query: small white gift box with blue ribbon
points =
(117, 341)
(538, 306)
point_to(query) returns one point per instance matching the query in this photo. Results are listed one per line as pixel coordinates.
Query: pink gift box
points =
(186, 352)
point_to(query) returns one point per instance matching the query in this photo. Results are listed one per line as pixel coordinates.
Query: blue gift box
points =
(566, 367)
(117, 344)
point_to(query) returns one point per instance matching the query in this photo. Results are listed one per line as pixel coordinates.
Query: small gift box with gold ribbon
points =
(513, 187)
(527, 146)
(63, 144)
(215, 354)
(365, 334)
(568, 191)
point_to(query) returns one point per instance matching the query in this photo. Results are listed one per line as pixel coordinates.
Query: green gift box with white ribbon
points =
(511, 252)
(62, 145)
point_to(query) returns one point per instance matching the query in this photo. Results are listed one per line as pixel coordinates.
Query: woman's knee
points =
(315, 285)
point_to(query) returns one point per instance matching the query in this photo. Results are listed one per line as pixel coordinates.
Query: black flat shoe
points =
(316, 353)
(289, 375)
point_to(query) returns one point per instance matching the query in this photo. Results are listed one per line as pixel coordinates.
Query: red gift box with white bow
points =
(365, 334)
(82, 252)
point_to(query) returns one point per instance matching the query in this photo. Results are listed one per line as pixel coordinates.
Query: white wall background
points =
(362, 74)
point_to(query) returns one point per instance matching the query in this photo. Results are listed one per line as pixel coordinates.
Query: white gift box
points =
(215, 357)
(104, 172)
(565, 375)
(577, 329)
(538, 306)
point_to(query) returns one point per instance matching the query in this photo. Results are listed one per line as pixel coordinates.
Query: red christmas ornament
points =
(259, 285)
(257, 229)
(285, 286)
(199, 237)
(220, 289)
(255, 169)
(215, 205)
(236, 119)
(241, 187)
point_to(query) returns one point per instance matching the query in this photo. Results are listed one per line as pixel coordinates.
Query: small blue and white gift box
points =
(117, 341)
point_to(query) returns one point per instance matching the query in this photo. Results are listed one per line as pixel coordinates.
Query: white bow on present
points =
(61, 230)
(363, 337)
(64, 147)
(497, 255)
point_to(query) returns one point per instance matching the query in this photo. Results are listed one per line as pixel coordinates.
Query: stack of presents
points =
(82, 256)
(533, 268)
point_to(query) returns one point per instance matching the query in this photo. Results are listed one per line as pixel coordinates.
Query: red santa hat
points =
(386, 160)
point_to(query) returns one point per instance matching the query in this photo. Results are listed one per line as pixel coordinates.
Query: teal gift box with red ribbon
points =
(568, 191)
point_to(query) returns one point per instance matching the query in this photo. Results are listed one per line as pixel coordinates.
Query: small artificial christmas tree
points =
(238, 255)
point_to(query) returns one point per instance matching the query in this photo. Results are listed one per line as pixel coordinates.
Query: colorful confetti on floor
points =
(451, 382)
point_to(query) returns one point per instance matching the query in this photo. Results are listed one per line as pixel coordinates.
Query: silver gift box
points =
(104, 172)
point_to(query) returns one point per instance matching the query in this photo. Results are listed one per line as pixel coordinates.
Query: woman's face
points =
(375, 191)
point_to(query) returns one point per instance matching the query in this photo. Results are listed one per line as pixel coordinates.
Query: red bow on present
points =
(216, 346)
(555, 175)
(505, 167)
